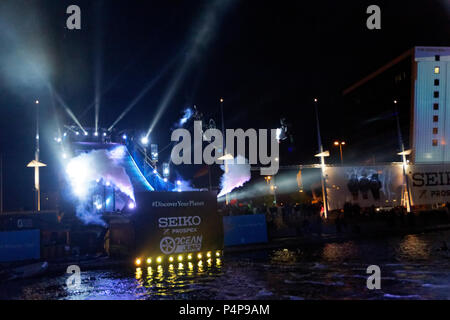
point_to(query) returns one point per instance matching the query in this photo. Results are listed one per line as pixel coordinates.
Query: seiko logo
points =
(165, 222)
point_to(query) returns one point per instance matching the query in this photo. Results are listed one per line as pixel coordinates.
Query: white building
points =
(430, 125)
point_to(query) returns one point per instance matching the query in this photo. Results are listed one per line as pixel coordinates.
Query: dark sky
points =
(268, 59)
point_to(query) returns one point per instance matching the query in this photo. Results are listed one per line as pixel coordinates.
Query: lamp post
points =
(340, 144)
(227, 199)
(35, 163)
(322, 154)
(403, 153)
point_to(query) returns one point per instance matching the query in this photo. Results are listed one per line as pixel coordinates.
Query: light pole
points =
(340, 144)
(224, 147)
(322, 156)
(35, 163)
(403, 153)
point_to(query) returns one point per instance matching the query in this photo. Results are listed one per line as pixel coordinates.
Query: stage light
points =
(189, 256)
(171, 259)
(149, 260)
(199, 255)
(178, 182)
(180, 258)
(108, 183)
(96, 133)
(98, 180)
(159, 259)
(86, 133)
(208, 254)
(144, 141)
(131, 205)
(166, 170)
(104, 134)
(138, 273)
(65, 134)
(37, 102)
(138, 262)
(165, 179)
(77, 133)
(124, 137)
(64, 156)
(217, 253)
(154, 152)
(155, 171)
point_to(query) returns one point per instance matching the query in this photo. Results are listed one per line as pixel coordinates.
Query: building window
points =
(436, 106)
(435, 118)
(436, 82)
(436, 94)
(435, 142)
(436, 70)
(435, 130)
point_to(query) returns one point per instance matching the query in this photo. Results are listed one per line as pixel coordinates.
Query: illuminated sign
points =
(176, 223)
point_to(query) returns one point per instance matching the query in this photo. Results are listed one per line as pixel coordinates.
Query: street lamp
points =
(322, 154)
(403, 153)
(36, 164)
(340, 144)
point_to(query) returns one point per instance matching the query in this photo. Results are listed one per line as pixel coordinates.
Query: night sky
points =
(268, 59)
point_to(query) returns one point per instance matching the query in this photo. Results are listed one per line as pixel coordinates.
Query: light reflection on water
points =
(412, 267)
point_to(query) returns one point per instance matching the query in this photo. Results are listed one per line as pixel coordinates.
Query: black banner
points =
(176, 223)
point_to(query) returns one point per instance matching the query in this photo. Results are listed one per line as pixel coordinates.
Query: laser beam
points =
(199, 39)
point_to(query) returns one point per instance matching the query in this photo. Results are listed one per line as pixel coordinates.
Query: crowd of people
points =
(308, 218)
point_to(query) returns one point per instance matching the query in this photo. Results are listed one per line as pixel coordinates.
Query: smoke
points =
(25, 55)
(86, 171)
(236, 176)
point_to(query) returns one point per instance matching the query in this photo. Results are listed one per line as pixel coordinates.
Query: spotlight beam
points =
(55, 112)
(112, 83)
(68, 111)
(98, 62)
